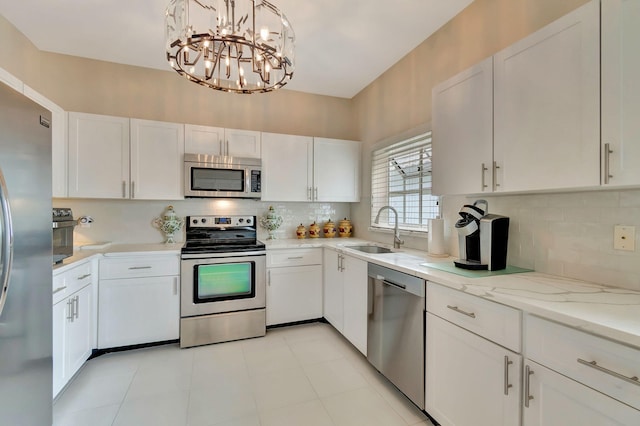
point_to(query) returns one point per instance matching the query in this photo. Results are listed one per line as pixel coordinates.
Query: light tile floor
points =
(305, 375)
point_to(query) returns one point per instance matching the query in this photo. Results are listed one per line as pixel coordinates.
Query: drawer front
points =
(139, 266)
(71, 280)
(599, 363)
(498, 323)
(294, 257)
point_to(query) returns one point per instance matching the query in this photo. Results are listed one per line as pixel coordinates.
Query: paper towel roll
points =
(436, 237)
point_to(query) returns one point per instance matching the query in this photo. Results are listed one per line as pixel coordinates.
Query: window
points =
(401, 178)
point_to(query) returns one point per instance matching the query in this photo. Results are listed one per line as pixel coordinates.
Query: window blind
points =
(401, 178)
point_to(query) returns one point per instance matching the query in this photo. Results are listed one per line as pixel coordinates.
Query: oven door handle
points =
(63, 224)
(230, 254)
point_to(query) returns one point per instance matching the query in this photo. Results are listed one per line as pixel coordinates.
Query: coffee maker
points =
(482, 238)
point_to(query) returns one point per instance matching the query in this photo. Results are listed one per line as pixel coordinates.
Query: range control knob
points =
(195, 221)
(203, 220)
(249, 221)
(241, 220)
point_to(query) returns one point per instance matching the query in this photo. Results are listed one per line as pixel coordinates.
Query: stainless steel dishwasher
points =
(395, 329)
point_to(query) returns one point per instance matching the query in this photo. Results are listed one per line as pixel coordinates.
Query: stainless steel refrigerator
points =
(25, 261)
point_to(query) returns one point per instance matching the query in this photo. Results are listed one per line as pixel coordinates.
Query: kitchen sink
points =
(371, 249)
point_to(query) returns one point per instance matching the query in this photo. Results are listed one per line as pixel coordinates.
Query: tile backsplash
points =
(130, 221)
(569, 235)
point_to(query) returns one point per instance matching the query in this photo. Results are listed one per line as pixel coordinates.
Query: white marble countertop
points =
(610, 312)
(116, 250)
(604, 311)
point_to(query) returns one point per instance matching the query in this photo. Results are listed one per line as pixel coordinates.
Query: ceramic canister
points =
(345, 228)
(314, 231)
(301, 232)
(329, 229)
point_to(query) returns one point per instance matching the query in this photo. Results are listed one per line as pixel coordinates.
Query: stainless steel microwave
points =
(211, 176)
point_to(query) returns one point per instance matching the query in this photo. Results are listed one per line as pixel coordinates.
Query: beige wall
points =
(78, 84)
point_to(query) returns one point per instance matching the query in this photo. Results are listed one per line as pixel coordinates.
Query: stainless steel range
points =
(223, 276)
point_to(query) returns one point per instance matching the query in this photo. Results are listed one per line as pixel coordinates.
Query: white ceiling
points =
(341, 45)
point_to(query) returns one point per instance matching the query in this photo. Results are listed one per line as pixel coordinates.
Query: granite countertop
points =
(601, 310)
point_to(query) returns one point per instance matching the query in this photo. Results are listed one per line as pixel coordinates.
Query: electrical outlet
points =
(624, 238)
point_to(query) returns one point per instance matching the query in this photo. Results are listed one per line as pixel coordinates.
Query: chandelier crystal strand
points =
(240, 46)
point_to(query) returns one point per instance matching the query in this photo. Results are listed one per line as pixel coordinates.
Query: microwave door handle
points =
(6, 229)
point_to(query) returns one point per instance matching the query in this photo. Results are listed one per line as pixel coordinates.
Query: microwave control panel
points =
(256, 181)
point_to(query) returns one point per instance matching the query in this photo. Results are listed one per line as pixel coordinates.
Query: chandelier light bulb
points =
(204, 39)
(264, 33)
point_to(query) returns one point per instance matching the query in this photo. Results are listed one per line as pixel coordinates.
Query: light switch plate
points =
(624, 238)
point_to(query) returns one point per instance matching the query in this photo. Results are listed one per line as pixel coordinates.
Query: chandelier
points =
(240, 46)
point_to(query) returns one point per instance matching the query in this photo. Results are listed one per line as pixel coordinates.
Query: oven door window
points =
(225, 281)
(225, 180)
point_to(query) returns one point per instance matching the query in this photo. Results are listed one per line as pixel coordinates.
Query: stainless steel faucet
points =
(396, 233)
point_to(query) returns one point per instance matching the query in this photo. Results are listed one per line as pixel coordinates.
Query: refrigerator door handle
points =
(6, 231)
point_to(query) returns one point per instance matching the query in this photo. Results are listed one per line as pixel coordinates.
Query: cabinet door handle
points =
(460, 311)
(528, 372)
(139, 267)
(607, 163)
(310, 194)
(484, 169)
(76, 309)
(70, 310)
(227, 148)
(82, 277)
(175, 286)
(316, 194)
(594, 364)
(124, 189)
(507, 385)
(59, 289)
(269, 278)
(495, 175)
(133, 187)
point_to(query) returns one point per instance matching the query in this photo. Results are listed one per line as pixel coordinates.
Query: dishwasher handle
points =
(391, 283)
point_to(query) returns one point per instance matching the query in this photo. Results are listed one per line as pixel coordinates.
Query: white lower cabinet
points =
(139, 300)
(294, 285)
(345, 296)
(552, 399)
(469, 380)
(73, 327)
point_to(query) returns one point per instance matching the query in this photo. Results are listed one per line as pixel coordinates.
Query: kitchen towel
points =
(436, 237)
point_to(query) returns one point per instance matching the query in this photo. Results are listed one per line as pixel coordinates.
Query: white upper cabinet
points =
(302, 168)
(547, 106)
(58, 141)
(287, 164)
(98, 156)
(203, 139)
(621, 92)
(157, 150)
(222, 142)
(114, 157)
(242, 143)
(463, 132)
(336, 170)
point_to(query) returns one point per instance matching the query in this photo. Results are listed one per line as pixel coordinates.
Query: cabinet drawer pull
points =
(139, 267)
(295, 258)
(594, 364)
(59, 289)
(507, 385)
(82, 277)
(460, 311)
(527, 386)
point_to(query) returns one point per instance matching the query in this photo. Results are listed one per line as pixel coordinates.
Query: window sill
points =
(415, 234)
